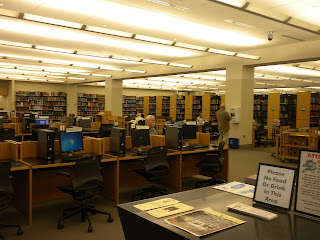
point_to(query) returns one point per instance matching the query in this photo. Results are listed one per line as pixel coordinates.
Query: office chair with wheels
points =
(260, 135)
(86, 184)
(212, 163)
(6, 194)
(155, 168)
(7, 134)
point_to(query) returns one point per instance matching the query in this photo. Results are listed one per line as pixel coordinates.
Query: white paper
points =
(239, 188)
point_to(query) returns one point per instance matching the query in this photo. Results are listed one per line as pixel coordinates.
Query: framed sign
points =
(308, 183)
(274, 185)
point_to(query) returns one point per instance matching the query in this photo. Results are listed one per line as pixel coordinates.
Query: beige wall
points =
(42, 87)
(3, 99)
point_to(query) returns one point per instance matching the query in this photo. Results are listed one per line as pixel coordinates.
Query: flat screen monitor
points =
(189, 132)
(4, 114)
(71, 142)
(85, 123)
(42, 121)
(140, 137)
(105, 130)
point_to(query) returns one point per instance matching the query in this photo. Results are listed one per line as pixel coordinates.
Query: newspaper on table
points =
(239, 188)
(203, 222)
(156, 204)
(170, 210)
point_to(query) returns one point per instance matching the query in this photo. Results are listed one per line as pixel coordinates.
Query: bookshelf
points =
(180, 108)
(165, 106)
(288, 104)
(260, 109)
(52, 104)
(129, 105)
(196, 106)
(152, 106)
(90, 104)
(314, 109)
(215, 103)
(139, 104)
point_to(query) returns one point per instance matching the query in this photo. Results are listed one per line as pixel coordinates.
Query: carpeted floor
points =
(243, 162)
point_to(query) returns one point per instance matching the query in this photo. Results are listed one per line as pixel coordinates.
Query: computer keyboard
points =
(73, 158)
(196, 146)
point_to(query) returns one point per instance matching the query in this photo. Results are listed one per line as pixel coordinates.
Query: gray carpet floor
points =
(243, 162)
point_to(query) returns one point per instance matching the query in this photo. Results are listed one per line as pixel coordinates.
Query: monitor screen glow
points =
(71, 141)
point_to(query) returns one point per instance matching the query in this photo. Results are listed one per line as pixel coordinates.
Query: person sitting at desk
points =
(138, 118)
(201, 118)
(151, 122)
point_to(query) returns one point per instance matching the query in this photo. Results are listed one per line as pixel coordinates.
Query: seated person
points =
(254, 123)
(201, 118)
(151, 122)
(138, 118)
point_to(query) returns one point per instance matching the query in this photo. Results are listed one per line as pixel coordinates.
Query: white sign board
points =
(274, 185)
(308, 184)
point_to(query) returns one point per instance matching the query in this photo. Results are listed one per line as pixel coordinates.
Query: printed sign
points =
(274, 185)
(308, 184)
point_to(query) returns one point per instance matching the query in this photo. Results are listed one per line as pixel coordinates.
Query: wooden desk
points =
(137, 224)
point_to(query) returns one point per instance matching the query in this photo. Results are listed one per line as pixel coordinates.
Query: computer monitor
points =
(42, 121)
(4, 114)
(71, 142)
(85, 123)
(189, 132)
(139, 138)
(105, 130)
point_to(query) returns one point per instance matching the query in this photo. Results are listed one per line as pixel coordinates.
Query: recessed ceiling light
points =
(1, 5)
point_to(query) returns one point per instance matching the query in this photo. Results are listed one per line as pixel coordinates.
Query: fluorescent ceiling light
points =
(56, 77)
(77, 73)
(36, 79)
(55, 81)
(51, 21)
(180, 65)
(236, 3)
(54, 49)
(190, 46)
(218, 51)
(286, 89)
(129, 16)
(313, 87)
(260, 83)
(15, 44)
(100, 75)
(242, 55)
(266, 12)
(75, 78)
(154, 61)
(296, 79)
(111, 68)
(290, 69)
(109, 31)
(9, 13)
(307, 81)
(134, 71)
(152, 39)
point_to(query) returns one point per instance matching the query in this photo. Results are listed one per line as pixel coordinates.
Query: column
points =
(72, 99)
(113, 97)
(239, 94)
(11, 97)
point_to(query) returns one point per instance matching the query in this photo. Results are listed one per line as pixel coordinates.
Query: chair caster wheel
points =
(110, 219)
(90, 229)
(60, 226)
(19, 231)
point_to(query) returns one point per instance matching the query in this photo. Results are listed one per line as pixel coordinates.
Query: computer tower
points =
(118, 140)
(46, 144)
(174, 137)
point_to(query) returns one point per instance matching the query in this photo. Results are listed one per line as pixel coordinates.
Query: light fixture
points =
(180, 65)
(242, 55)
(53, 21)
(134, 71)
(223, 52)
(290, 69)
(154, 61)
(75, 78)
(56, 81)
(53, 49)
(152, 39)
(15, 44)
(100, 75)
(190, 46)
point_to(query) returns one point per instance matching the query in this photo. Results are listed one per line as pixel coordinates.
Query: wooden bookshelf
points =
(152, 106)
(180, 113)
(52, 104)
(288, 103)
(146, 100)
(158, 106)
(206, 99)
(139, 104)
(215, 102)
(260, 109)
(188, 107)
(90, 104)
(173, 107)
(196, 106)
(129, 105)
(303, 109)
(315, 110)
(165, 106)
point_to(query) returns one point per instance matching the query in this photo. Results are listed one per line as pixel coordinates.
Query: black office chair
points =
(6, 194)
(155, 168)
(86, 184)
(260, 136)
(212, 163)
(7, 134)
(207, 128)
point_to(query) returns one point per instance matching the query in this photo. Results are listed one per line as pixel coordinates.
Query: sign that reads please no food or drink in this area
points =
(274, 185)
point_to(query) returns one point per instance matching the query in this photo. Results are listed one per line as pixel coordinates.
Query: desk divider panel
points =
(10, 150)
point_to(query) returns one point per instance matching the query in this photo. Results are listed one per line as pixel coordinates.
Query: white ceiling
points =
(206, 24)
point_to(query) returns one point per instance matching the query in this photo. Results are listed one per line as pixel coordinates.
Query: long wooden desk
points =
(137, 224)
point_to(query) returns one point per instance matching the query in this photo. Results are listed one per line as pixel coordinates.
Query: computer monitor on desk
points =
(85, 123)
(139, 138)
(105, 130)
(42, 121)
(189, 131)
(71, 142)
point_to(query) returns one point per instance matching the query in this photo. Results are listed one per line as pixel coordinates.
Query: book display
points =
(90, 104)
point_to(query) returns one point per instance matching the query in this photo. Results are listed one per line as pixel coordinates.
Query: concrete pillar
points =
(239, 94)
(113, 97)
(72, 99)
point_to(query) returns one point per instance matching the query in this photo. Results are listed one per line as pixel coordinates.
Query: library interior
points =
(116, 115)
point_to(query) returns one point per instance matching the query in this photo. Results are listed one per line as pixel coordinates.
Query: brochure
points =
(239, 188)
(170, 210)
(203, 222)
(156, 204)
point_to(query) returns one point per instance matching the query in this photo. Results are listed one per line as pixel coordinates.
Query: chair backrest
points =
(87, 169)
(220, 151)
(7, 134)
(4, 177)
(142, 122)
(157, 156)
(207, 126)
(260, 130)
